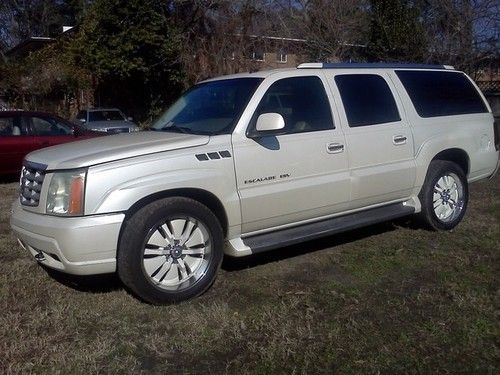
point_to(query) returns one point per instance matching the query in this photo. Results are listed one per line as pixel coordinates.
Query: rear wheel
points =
(170, 250)
(444, 196)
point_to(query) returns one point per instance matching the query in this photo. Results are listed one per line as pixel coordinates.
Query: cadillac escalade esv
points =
(251, 162)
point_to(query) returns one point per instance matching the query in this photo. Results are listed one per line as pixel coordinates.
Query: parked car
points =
(109, 120)
(22, 132)
(252, 162)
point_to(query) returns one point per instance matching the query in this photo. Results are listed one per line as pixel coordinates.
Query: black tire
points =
(437, 170)
(144, 225)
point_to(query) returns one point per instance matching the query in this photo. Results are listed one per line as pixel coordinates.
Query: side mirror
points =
(268, 122)
(130, 119)
(82, 120)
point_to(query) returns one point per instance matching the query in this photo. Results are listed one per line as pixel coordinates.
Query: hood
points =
(114, 147)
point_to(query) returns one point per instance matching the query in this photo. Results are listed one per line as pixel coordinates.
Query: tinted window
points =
(105, 116)
(441, 93)
(302, 102)
(367, 99)
(7, 126)
(46, 126)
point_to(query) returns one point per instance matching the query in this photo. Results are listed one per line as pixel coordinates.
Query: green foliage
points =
(397, 32)
(131, 48)
(122, 38)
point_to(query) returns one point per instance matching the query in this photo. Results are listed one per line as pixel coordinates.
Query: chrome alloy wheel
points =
(448, 197)
(177, 253)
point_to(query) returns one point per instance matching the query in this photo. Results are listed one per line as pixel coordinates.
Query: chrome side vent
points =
(32, 176)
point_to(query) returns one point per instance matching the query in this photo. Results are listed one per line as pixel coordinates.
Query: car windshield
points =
(106, 116)
(209, 108)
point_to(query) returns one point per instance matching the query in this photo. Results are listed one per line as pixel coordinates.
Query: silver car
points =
(109, 120)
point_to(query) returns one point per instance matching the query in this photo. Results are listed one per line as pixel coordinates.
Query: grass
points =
(387, 298)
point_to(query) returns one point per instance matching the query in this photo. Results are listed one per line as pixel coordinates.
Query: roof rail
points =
(371, 66)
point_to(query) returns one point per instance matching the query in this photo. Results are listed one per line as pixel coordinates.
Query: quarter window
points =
(367, 99)
(441, 93)
(302, 102)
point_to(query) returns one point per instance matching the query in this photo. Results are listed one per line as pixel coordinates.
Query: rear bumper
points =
(80, 246)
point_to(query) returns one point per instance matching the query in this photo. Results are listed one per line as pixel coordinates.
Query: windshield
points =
(106, 116)
(209, 108)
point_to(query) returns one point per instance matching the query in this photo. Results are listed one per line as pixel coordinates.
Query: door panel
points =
(15, 143)
(381, 171)
(299, 172)
(379, 141)
(289, 178)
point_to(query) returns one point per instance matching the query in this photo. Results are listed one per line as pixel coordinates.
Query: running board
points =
(285, 237)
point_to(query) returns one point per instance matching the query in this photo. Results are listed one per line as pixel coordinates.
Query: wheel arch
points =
(202, 196)
(455, 155)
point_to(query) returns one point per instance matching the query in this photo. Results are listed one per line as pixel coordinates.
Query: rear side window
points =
(441, 93)
(367, 99)
(6, 126)
(302, 102)
(9, 126)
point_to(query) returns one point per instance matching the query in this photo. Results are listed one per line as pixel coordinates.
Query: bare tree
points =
(333, 29)
(219, 36)
(463, 32)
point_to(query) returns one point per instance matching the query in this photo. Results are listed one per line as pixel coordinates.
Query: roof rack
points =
(372, 66)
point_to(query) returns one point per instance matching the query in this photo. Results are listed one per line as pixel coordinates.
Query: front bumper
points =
(77, 245)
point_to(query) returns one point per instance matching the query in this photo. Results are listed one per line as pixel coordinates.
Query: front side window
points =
(302, 102)
(209, 108)
(49, 127)
(441, 93)
(367, 99)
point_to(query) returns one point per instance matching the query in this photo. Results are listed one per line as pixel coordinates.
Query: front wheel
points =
(444, 196)
(170, 250)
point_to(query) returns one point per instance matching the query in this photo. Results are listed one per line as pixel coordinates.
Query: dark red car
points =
(22, 132)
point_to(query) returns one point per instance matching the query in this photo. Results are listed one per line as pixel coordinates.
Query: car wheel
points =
(170, 250)
(444, 195)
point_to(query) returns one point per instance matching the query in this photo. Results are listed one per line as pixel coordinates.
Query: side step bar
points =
(285, 237)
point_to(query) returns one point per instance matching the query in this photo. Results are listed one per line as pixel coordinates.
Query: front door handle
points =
(399, 140)
(334, 148)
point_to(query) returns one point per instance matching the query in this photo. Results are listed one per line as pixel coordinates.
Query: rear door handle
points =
(399, 140)
(334, 148)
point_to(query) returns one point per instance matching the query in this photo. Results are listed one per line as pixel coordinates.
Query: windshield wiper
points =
(177, 129)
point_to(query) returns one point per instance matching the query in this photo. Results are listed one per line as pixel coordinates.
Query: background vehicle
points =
(109, 120)
(22, 132)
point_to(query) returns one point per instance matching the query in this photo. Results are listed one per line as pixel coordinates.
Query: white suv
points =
(252, 162)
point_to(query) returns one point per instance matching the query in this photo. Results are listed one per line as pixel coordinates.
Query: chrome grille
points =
(32, 176)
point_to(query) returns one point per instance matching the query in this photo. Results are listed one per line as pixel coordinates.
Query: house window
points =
(281, 57)
(258, 56)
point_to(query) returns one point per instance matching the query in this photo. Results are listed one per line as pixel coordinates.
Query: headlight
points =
(66, 193)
